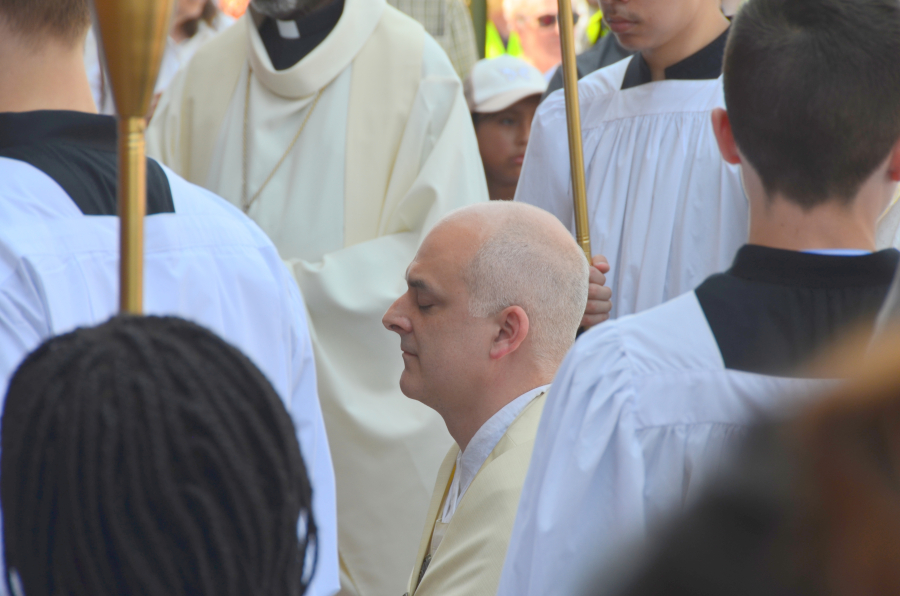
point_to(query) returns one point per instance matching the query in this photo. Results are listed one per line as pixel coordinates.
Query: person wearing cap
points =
(503, 94)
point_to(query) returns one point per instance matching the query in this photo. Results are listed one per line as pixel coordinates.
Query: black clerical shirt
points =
(774, 309)
(703, 65)
(313, 28)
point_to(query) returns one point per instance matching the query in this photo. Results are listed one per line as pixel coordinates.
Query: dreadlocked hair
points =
(148, 457)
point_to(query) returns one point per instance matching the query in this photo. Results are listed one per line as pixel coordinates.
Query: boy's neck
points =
(48, 76)
(701, 32)
(831, 226)
(778, 223)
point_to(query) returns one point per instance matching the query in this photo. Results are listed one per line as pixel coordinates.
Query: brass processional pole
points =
(133, 37)
(573, 119)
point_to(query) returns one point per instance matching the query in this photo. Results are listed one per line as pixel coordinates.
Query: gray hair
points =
(523, 263)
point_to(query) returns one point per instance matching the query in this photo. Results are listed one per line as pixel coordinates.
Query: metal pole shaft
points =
(132, 207)
(573, 120)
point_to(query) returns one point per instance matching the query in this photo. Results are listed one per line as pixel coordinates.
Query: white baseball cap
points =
(497, 83)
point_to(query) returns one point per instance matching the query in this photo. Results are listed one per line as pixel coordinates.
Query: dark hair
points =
(208, 14)
(65, 19)
(148, 457)
(813, 93)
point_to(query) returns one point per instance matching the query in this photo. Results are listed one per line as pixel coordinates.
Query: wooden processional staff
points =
(133, 36)
(566, 22)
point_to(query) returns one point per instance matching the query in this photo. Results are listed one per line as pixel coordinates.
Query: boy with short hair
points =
(503, 94)
(643, 407)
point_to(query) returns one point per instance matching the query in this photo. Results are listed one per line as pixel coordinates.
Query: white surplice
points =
(388, 149)
(206, 262)
(664, 207)
(640, 413)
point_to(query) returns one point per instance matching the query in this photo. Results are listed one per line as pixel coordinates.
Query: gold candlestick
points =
(573, 120)
(133, 36)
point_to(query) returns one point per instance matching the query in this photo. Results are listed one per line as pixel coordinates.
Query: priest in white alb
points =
(340, 127)
(664, 207)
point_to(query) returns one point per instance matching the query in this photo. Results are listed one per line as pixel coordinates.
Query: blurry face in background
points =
(535, 23)
(502, 139)
(641, 25)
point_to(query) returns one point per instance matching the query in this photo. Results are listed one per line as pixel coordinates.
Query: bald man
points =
(495, 297)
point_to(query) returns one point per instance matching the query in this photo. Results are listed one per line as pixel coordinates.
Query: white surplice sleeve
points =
(584, 488)
(306, 413)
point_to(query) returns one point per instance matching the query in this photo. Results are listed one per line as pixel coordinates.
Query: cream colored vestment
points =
(387, 151)
(470, 556)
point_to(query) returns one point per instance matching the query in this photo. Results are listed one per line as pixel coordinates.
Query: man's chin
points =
(630, 42)
(408, 388)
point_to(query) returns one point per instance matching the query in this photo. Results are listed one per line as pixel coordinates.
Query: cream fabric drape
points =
(470, 557)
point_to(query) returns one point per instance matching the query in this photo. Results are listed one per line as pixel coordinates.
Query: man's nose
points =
(394, 319)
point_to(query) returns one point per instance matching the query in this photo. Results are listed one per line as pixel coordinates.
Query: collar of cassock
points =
(792, 268)
(356, 20)
(704, 65)
(80, 128)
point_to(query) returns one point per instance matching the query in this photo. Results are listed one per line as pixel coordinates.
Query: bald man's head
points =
(526, 258)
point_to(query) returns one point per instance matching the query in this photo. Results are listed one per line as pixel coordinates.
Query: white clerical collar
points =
(468, 462)
(322, 65)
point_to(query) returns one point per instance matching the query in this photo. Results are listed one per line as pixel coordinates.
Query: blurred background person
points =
(148, 457)
(195, 22)
(535, 24)
(449, 22)
(502, 94)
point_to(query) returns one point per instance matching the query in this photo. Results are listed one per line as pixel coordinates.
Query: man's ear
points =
(513, 329)
(725, 137)
(894, 162)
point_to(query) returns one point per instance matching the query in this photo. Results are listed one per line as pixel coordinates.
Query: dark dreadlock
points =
(148, 457)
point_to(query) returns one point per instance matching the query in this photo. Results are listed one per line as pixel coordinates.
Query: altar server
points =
(59, 239)
(340, 127)
(495, 296)
(663, 206)
(643, 406)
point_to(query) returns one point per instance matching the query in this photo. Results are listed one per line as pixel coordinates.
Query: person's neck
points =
(499, 191)
(479, 407)
(778, 223)
(48, 76)
(701, 32)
